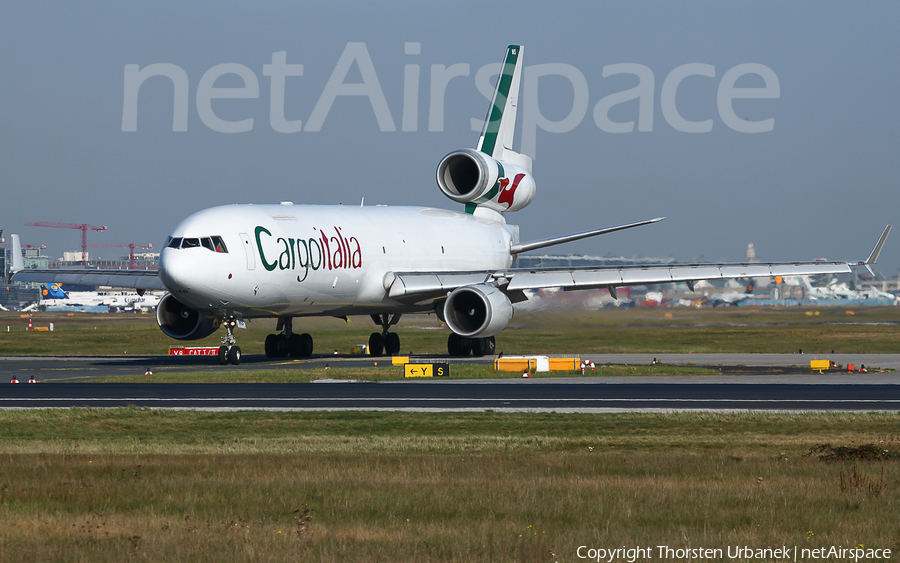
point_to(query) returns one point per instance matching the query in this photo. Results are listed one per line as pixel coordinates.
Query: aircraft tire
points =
(458, 346)
(223, 355)
(272, 346)
(306, 345)
(295, 346)
(479, 346)
(392, 343)
(376, 344)
(234, 355)
(490, 346)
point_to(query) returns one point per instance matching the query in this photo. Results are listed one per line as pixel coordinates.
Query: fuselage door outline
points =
(248, 250)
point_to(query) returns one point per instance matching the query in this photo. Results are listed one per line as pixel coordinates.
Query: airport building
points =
(142, 261)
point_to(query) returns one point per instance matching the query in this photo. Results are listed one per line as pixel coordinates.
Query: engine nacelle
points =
(471, 176)
(477, 310)
(180, 322)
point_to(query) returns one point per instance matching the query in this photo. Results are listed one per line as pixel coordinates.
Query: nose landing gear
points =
(229, 351)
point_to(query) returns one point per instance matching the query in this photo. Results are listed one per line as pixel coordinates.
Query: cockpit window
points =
(219, 244)
(214, 243)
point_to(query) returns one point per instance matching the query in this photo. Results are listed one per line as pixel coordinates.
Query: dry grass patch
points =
(130, 484)
(425, 507)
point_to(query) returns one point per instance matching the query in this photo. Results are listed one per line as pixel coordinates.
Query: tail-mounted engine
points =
(472, 177)
(477, 310)
(180, 322)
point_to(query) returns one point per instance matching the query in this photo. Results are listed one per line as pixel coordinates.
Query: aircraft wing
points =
(137, 279)
(593, 278)
(422, 286)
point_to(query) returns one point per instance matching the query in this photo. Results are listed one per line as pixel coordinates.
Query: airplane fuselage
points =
(303, 260)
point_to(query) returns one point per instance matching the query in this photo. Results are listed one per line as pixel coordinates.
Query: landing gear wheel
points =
(272, 346)
(376, 344)
(392, 343)
(228, 352)
(306, 345)
(458, 346)
(384, 342)
(483, 346)
(295, 346)
(300, 345)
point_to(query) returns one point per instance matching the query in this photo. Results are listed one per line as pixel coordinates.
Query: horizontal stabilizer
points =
(534, 245)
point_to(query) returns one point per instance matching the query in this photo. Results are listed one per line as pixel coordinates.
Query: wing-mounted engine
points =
(477, 311)
(181, 322)
(472, 177)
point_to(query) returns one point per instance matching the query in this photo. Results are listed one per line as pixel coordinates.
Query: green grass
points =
(134, 484)
(650, 331)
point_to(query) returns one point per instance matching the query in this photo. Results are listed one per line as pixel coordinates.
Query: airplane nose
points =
(176, 269)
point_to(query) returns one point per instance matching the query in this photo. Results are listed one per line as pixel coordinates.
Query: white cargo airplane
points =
(230, 263)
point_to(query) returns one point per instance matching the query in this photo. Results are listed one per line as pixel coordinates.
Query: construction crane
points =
(131, 248)
(84, 229)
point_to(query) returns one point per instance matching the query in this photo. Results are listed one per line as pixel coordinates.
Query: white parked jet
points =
(230, 263)
(54, 296)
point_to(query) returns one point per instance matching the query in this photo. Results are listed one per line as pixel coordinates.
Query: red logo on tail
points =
(507, 194)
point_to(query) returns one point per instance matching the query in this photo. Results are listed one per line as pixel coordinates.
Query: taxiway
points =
(752, 386)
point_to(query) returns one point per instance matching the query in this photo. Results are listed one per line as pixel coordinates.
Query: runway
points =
(754, 389)
(535, 396)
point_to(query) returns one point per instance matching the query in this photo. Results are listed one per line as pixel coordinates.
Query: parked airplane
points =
(835, 290)
(55, 295)
(52, 291)
(230, 263)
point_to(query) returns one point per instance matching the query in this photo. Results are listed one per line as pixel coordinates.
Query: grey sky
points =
(821, 182)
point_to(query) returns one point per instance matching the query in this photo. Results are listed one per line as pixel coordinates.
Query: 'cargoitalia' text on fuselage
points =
(322, 252)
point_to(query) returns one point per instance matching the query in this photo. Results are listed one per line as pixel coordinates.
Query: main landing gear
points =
(229, 352)
(288, 343)
(384, 342)
(460, 346)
